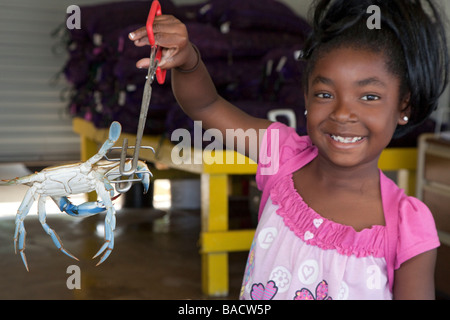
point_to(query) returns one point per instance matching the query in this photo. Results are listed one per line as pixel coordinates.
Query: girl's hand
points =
(172, 36)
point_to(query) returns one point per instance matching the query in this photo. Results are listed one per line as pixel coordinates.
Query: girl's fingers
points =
(171, 35)
(163, 22)
(138, 34)
(143, 63)
(168, 59)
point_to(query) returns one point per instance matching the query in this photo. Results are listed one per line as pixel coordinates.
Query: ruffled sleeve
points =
(282, 151)
(416, 229)
(280, 143)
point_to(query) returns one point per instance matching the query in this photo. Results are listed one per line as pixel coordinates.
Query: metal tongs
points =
(154, 70)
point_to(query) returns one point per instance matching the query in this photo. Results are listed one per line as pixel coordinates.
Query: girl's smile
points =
(346, 142)
(353, 106)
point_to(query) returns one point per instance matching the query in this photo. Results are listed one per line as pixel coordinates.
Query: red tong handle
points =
(155, 10)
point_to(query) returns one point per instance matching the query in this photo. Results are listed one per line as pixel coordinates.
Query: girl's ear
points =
(405, 111)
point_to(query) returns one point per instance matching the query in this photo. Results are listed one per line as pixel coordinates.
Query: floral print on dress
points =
(261, 292)
(321, 293)
(282, 278)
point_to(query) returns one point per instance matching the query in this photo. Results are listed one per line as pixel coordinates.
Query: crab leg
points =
(20, 233)
(110, 223)
(50, 232)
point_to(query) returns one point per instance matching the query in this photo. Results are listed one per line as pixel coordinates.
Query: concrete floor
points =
(156, 256)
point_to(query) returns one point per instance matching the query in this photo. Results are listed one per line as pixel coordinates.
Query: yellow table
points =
(216, 240)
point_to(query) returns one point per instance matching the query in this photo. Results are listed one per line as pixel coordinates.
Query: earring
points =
(306, 113)
(405, 118)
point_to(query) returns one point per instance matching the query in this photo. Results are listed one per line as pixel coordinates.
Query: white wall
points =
(299, 6)
(444, 104)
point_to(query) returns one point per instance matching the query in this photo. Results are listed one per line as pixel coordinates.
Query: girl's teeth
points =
(346, 140)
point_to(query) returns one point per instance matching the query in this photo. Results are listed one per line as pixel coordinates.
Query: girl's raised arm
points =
(193, 86)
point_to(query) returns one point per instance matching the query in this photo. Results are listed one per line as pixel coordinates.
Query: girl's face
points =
(353, 106)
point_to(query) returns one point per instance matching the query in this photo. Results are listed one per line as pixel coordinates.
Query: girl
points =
(331, 225)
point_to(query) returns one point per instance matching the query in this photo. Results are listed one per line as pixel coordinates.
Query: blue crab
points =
(58, 182)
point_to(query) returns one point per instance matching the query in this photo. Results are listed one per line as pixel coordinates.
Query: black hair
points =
(411, 35)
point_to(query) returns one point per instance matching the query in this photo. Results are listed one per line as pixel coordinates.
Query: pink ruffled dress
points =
(297, 254)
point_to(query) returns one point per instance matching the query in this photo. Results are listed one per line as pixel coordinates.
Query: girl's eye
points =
(324, 96)
(370, 97)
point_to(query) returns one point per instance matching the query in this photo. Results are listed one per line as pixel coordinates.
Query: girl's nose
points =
(343, 112)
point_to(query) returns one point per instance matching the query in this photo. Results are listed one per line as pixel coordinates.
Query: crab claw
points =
(114, 131)
(83, 210)
(144, 174)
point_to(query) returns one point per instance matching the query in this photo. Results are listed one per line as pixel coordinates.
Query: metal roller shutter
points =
(34, 124)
